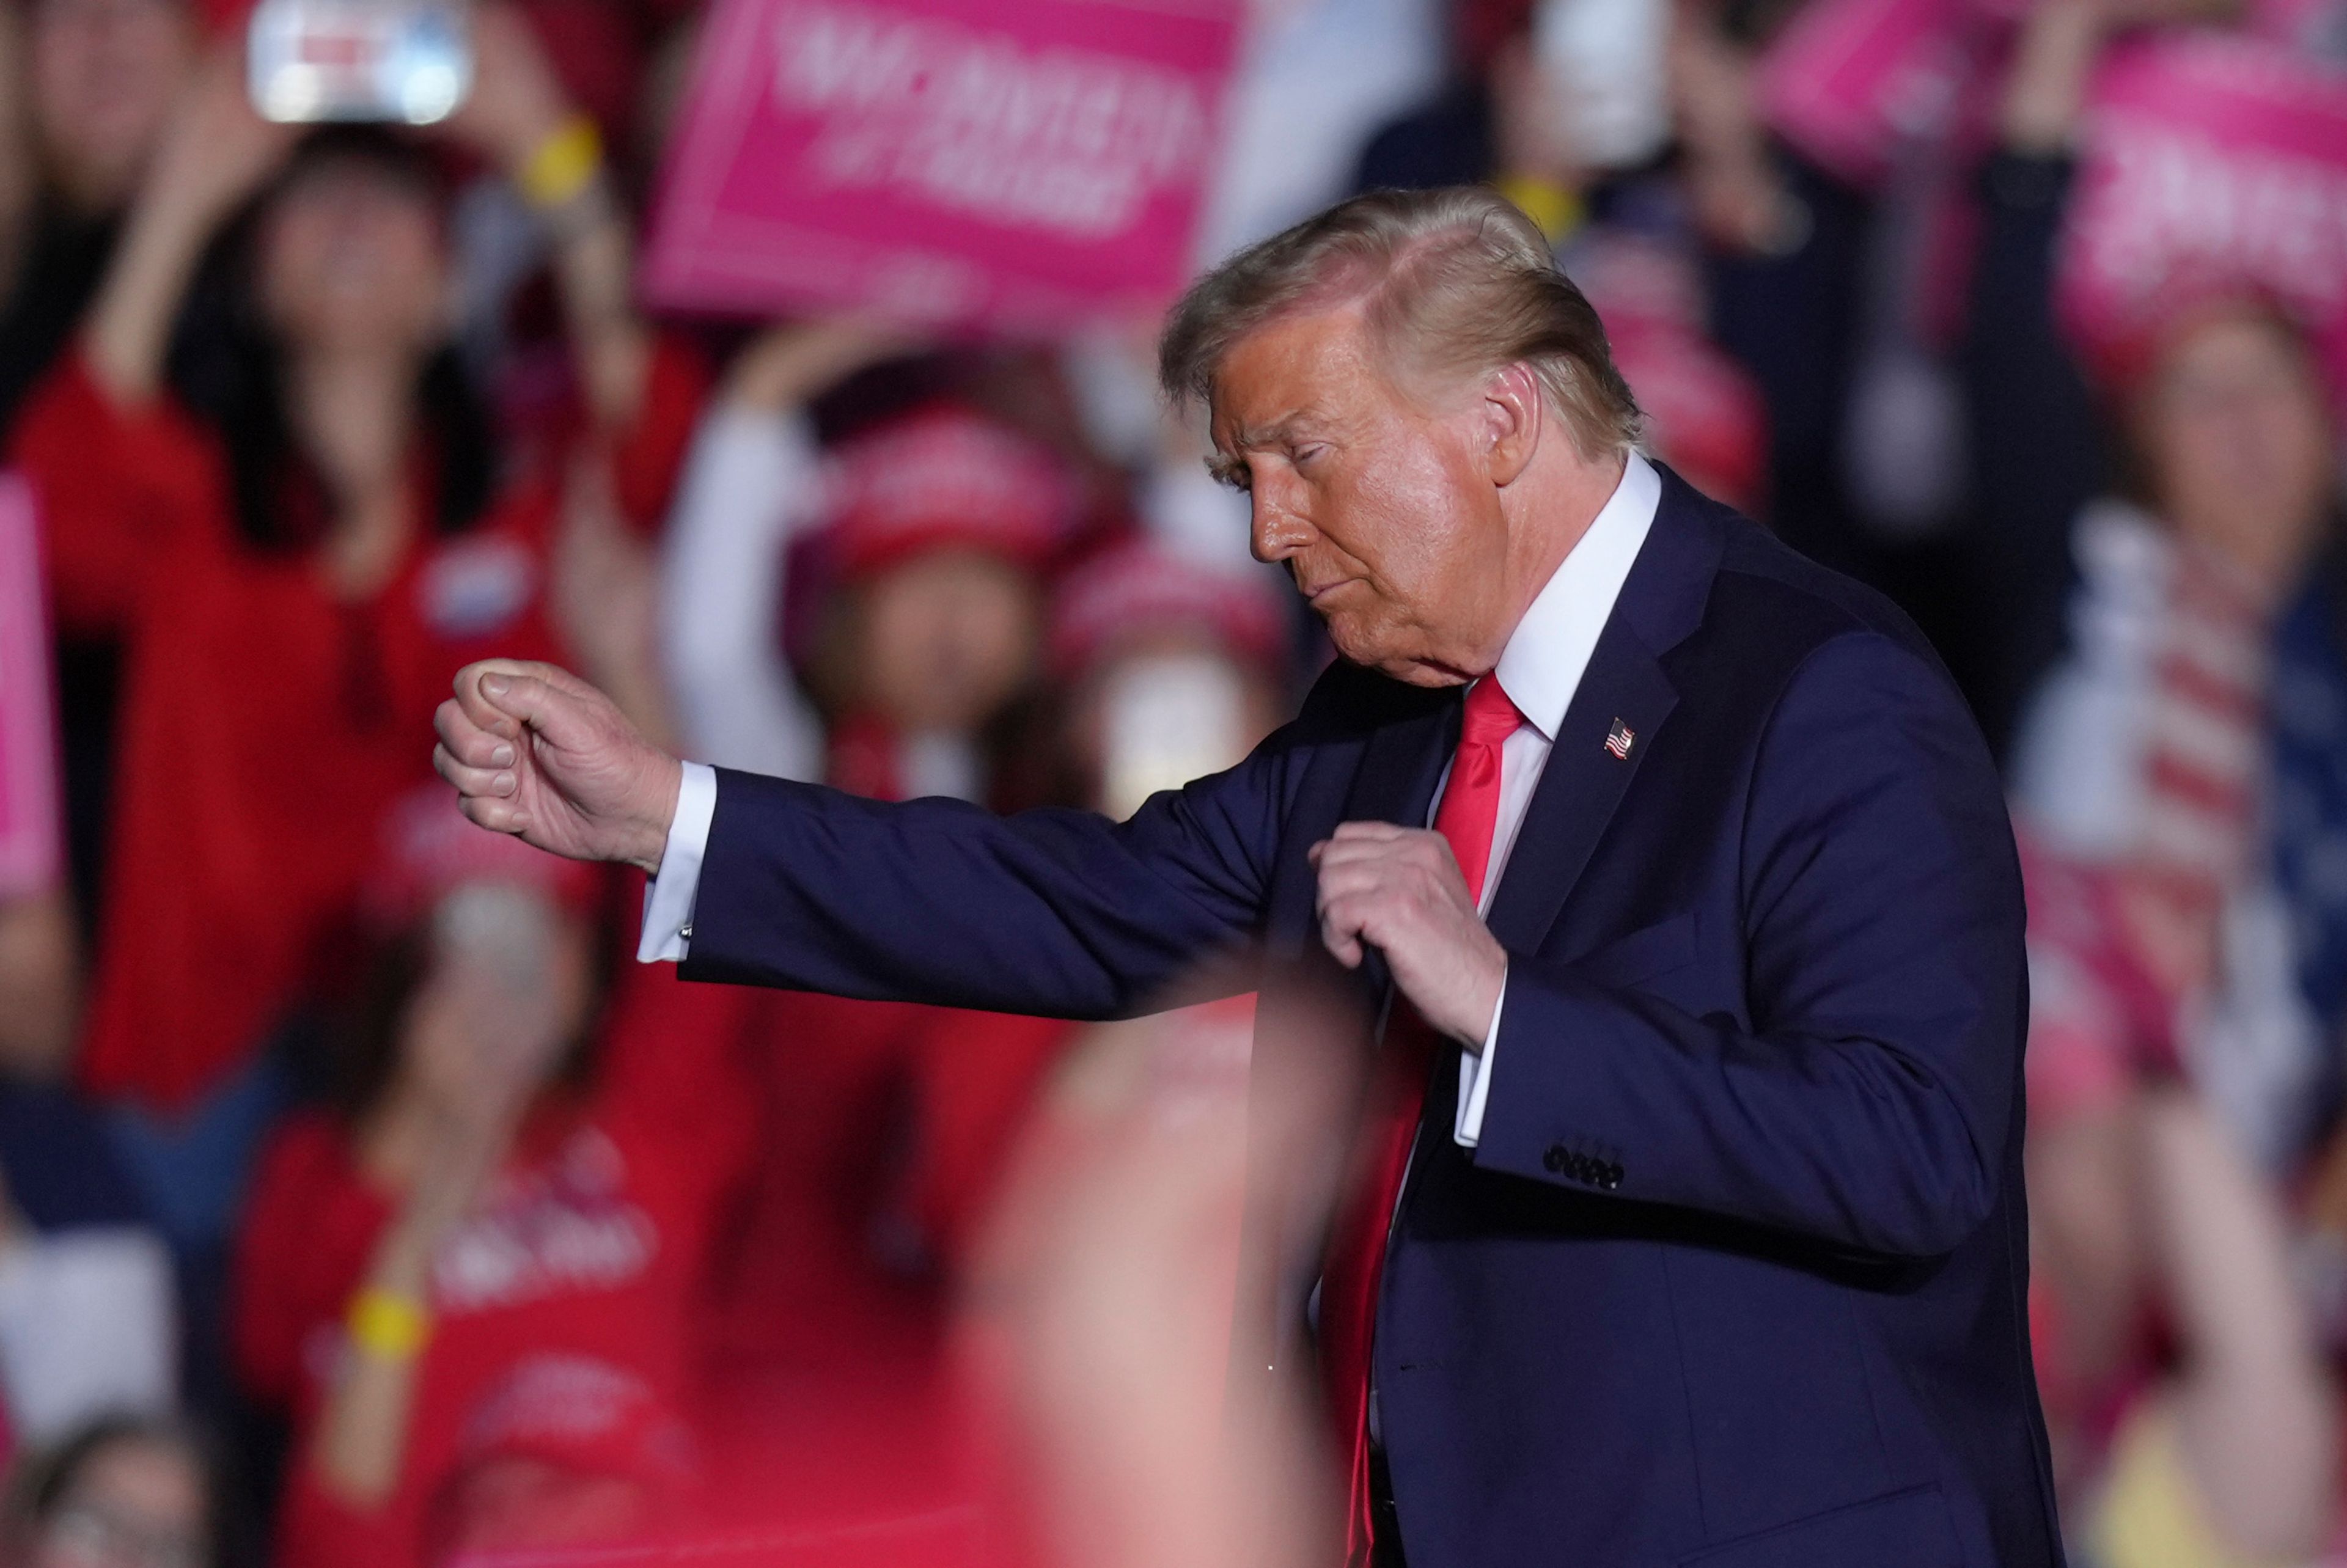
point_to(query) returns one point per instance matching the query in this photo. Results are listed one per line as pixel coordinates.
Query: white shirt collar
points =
(1542, 666)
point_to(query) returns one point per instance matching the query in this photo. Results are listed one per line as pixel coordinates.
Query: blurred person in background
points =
(40, 984)
(88, 1319)
(904, 567)
(124, 1492)
(2179, 741)
(2176, 778)
(568, 1452)
(98, 79)
(1833, 263)
(1166, 669)
(1316, 78)
(89, 89)
(524, 1158)
(564, 1454)
(931, 528)
(2193, 1411)
(40, 952)
(2052, 435)
(1705, 415)
(335, 527)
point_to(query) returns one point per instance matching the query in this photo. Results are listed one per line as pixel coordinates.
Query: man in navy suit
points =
(1679, 906)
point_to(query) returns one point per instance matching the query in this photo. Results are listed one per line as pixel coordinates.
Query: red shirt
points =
(267, 724)
(593, 1239)
(885, 1129)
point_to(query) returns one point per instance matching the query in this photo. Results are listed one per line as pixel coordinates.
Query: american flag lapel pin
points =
(1618, 739)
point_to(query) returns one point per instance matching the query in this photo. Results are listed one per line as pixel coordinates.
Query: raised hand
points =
(215, 155)
(536, 752)
(786, 365)
(516, 101)
(218, 151)
(1401, 890)
(1533, 120)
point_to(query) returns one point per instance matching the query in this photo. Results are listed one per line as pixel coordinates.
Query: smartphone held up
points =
(402, 61)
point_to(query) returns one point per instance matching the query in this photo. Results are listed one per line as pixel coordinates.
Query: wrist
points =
(651, 844)
(1491, 983)
(1554, 204)
(388, 1325)
(1482, 976)
(2046, 84)
(559, 163)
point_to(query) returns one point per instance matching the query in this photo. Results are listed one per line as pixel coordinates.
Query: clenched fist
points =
(1400, 889)
(535, 750)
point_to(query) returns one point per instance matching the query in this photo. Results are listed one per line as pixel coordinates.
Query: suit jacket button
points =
(1555, 1157)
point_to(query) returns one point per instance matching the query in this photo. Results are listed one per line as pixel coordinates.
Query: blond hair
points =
(1454, 281)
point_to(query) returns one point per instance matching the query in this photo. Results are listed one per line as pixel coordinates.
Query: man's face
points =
(1379, 499)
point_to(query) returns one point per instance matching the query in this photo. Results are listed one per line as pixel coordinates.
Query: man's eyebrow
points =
(1231, 468)
(1277, 433)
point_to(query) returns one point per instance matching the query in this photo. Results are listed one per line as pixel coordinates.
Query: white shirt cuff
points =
(1475, 1077)
(667, 902)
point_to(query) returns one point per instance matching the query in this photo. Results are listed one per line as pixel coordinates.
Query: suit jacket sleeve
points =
(1869, 1101)
(1060, 913)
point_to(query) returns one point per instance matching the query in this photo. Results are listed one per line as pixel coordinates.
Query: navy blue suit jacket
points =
(1735, 1278)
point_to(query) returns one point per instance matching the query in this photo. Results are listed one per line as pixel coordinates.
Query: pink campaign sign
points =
(30, 843)
(2213, 162)
(1849, 83)
(959, 163)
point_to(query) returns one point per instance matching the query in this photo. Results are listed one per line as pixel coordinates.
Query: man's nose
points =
(1277, 530)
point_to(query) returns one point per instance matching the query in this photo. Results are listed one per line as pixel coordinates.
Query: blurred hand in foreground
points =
(1112, 1296)
(536, 752)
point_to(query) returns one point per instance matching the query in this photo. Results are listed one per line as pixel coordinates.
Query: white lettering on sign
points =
(2173, 195)
(1056, 138)
(547, 1231)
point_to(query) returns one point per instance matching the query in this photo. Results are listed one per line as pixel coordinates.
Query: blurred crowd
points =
(367, 1203)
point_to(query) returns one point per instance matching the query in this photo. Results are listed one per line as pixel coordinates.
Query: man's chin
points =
(1382, 654)
(1419, 672)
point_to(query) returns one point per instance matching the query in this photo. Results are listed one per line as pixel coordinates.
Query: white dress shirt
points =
(1540, 669)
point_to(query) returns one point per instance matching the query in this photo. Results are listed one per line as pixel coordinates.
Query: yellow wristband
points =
(563, 164)
(388, 1326)
(1557, 209)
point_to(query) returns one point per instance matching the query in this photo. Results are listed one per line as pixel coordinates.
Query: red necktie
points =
(1357, 1246)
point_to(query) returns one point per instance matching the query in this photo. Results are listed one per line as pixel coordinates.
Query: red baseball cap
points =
(1140, 587)
(945, 476)
(579, 1413)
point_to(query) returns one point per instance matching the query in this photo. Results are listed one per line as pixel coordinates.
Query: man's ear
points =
(1512, 412)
